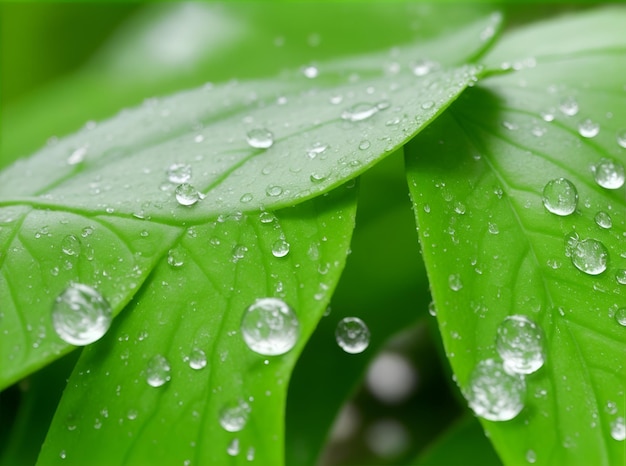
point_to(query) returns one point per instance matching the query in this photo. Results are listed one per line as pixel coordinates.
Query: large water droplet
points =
(158, 371)
(560, 197)
(197, 359)
(588, 128)
(569, 106)
(260, 138)
(620, 276)
(71, 245)
(175, 257)
(234, 416)
(280, 248)
(519, 343)
(186, 194)
(352, 335)
(618, 429)
(494, 394)
(273, 190)
(609, 174)
(589, 255)
(179, 173)
(80, 315)
(603, 220)
(359, 112)
(454, 282)
(270, 327)
(620, 316)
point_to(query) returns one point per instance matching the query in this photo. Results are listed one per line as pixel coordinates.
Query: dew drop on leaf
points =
(273, 190)
(197, 359)
(310, 71)
(233, 447)
(280, 248)
(609, 174)
(186, 194)
(270, 327)
(260, 138)
(620, 276)
(560, 197)
(178, 173)
(621, 138)
(603, 220)
(423, 67)
(364, 144)
(454, 282)
(234, 416)
(620, 316)
(316, 149)
(246, 197)
(618, 429)
(520, 344)
(359, 112)
(588, 128)
(80, 315)
(158, 371)
(531, 456)
(352, 335)
(589, 256)
(70, 245)
(568, 106)
(175, 258)
(494, 394)
(250, 454)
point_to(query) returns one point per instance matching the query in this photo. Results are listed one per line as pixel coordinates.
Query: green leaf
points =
(492, 249)
(110, 414)
(107, 185)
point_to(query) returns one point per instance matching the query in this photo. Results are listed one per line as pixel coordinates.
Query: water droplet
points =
(280, 248)
(618, 429)
(531, 456)
(80, 315)
(621, 138)
(620, 276)
(494, 394)
(316, 149)
(197, 359)
(603, 220)
(186, 194)
(352, 335)
(364, 144)
(250, 454)
(77, 156)
(589, 256)
(455, 283)
(179, 173)
(71, 245)
(260, 138)
(273, 190)
(310, 71)
(317, 177)
(246, 197)
(548, 115)
(519, 343)
(175, 258)
(359, 112)
(568, 106)
(234, 416)
(588, 128)
(233, 447)
(423, 67)
(620, 316)
(432, 310)
(158, 371)
(239, 252)
(266, 217)
(609, 174)
(270, 327)
(427, 105)
(560, 197)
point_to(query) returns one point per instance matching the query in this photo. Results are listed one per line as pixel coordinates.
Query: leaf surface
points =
(492, 249)
(111, 415)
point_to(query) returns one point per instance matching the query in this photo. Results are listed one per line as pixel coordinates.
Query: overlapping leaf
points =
(492, 249)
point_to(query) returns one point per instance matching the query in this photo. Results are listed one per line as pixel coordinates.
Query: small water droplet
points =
(246, 197)
(455, 283)
(233, 447)
(531, 456)
(432, 310)
(548, 115)
(270, 327)
(364, 144)
(71, 245)
(620, 316)
(132, 414)
(266, 217)
(175, 258)
(493, 393)
(423, 67)
(179, 173)
(62, 454)
(317, 177)
(588, 128)
(427, 105)
(352, 335)
(621, 138)
(620, 276)
(158, 371)
(250, 454)
(77, 155)
(589, 256)
(273, 190)
(239, 252)
(280, 248)
(260, 138)
(560, 197)
(186, 194)
(197, 359)
(310, 71)
(316, 149)
(603, 220)
(568, 106)
(609, 174)
(234, 416)
(519, 343)
(618, 429)
(359, 112)
(80, 315)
